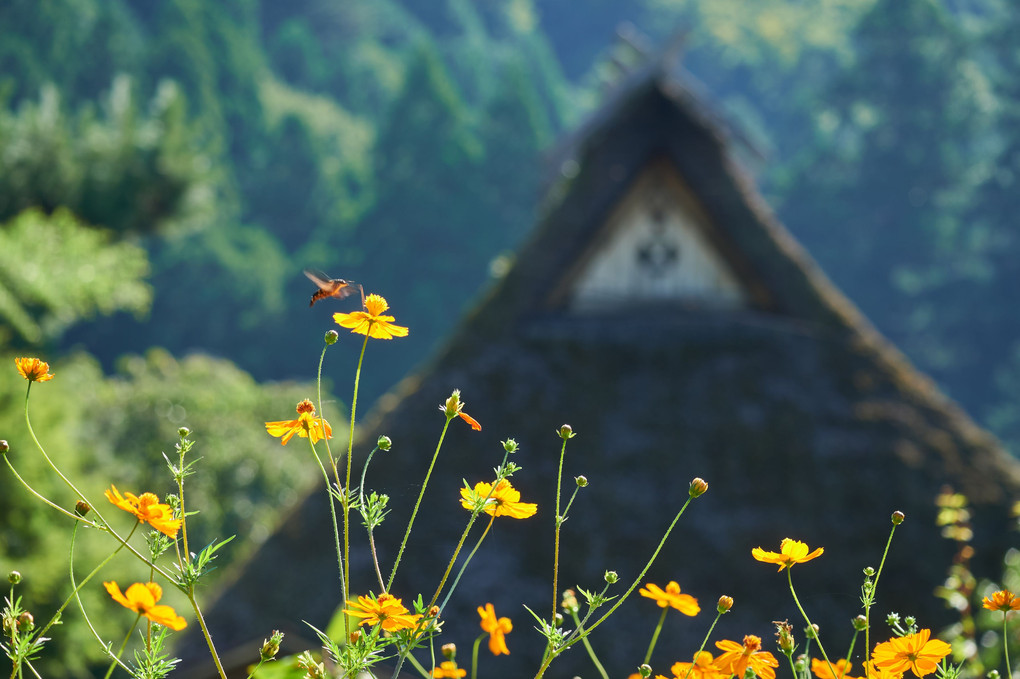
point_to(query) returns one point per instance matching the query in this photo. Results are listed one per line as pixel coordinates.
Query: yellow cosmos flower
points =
(701, 668)
(736, 658)
(386, 610)
(371, 321)
(1003, 600)
(307, 425)
(504, 500)
(497, 628)
(820, 668)
(448, 668)
(916, 652)
(684, 603)
(141, 598)
(147, 509)
(790, 552)
(33, 370)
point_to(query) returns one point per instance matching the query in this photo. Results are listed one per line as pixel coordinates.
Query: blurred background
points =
(167, 169)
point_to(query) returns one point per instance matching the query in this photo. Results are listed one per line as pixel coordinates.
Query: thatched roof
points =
(803, 419)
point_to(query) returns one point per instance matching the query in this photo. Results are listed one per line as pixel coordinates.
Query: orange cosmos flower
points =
(448, 668)
(147, 509)
(497, 629)
(736, 658)
(307, 425)
(371, 321)
(820, 668)
(33, 370)
(701, 668)
(790, 552)
(872, 672)
(386, 610)
(504, 500)
(915, 652)
(1003, 600)
(141, 598)
(684, 603)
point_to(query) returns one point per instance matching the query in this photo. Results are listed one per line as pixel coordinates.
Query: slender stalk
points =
(655, 636)
(789, 579)
(463, 567)
(184, 514)
(704, 642)
(1005, 644)
(123, 645)
(205, 633)
(874, 588)
(368, 526)
(45, 499)
(474, 657)
(555, 652)
(417, 504)
(332, 513)
(31, 431)
(418, 666)
(590, 650)
(556, 539)
(347, 483)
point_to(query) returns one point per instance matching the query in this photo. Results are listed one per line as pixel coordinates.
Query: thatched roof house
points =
(660, 309)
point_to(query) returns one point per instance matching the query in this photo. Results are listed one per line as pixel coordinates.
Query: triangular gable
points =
(657, 245)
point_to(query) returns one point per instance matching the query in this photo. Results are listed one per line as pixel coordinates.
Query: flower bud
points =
(869, 572)
(449, 651)
(611, 577)
(860, 623)
(811, 631)
(384, 443)
(271, 646)
(581, 481)
(355, 636)
(725, 603)
(566, 432)
(452, 406)
(14, 577)
(25, 622)
(81, 508)
(570, 604)
(909, 620)
(557, 619)
(4, 447)
(331, 337)
(434, 612)
(698, 487)
(784, 636)
(994, 674)
(183, 432)
(645, 671)
(510, 446)
(897, 518)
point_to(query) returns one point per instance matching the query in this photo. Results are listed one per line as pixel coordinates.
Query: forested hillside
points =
(167, 169)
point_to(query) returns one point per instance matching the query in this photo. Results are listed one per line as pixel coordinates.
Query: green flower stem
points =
(789, 579)
(1005, 644)
(655, 635)
(588, 647)
(77, 586)
(418, 666)
(368, 526)
(46, 500)
(123, 645)
(205, 633)
(871, 599)
(793, 668)
(346, 497)
(414, 513)
(555, 652)
(704, 642)
(556, 539)
(332, 513)
(463, 567)
(31, 431)
(474, 656)
(184, 514)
